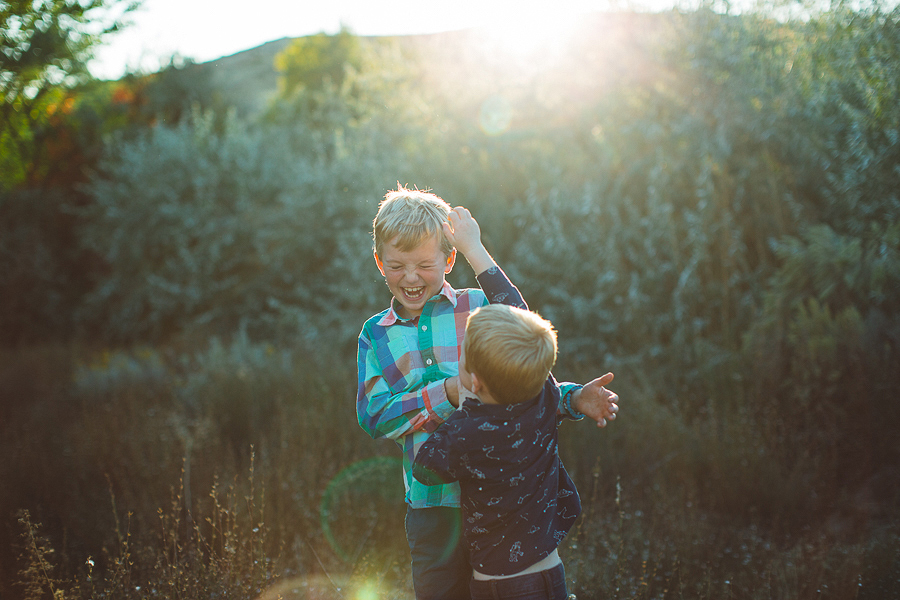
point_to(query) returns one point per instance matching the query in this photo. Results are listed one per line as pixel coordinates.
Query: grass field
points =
(238, 471)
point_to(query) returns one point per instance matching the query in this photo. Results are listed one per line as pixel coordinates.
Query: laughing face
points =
(414, 276)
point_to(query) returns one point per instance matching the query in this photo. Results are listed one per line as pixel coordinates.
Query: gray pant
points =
(440, 557)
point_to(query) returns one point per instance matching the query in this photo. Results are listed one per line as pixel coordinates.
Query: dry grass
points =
(238, 471)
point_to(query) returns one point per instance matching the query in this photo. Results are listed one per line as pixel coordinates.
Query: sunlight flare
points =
(526, 32)
(368, 592)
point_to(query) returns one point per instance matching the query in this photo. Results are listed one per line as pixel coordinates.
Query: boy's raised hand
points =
(597, 402)
(464, 233)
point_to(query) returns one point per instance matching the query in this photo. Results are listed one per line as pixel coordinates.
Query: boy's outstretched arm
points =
(592, 400)
(463, 231)
(596, 402)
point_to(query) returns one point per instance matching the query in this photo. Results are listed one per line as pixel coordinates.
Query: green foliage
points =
(40, 275)
(245, 225)
(823, 347)
(658, 249)
(48, 135)
(684, 227)
(709, 210)
(826, 337)
(854, 97)
(369, 108)
(318, 61)
(168, 96)
(221, 378)
(213, 230)
(45, 274)
(43, 49)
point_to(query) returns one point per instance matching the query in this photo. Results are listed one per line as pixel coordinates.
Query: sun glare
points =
(529, 32)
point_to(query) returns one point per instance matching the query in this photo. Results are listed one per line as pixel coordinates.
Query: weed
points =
(37, 575)
(312, 506)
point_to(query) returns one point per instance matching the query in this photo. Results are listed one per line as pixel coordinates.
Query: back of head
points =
(409, 218)
(511, 350)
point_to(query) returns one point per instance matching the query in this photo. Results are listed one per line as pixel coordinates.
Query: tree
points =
(44, 47)
(209, 228)
(314, 61)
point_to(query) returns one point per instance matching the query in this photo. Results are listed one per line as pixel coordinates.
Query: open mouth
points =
(414, 294)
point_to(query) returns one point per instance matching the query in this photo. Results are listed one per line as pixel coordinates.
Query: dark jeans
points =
(544, 585)
(440, 557)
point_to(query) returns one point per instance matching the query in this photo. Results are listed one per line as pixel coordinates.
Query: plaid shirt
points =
(401, 368)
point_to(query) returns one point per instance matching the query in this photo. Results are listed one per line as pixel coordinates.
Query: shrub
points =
(41, 277)
(207, 231)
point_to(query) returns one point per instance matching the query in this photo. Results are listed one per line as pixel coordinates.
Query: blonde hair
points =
(411, 217)
(511, 350)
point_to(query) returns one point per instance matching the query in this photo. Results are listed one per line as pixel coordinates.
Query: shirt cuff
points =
(566, 403)
(437, 404)
(499, 289)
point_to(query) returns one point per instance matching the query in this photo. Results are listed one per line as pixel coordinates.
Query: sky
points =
(204, 30)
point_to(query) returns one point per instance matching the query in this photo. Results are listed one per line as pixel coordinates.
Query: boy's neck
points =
(485, 397)
(480, 391)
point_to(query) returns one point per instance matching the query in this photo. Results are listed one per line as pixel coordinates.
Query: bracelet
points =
(567, 405)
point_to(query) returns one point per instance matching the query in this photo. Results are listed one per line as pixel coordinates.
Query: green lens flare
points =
(495, 115)
(350, 502)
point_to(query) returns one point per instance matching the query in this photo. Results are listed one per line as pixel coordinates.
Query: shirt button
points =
(424, 327)
(428, 362)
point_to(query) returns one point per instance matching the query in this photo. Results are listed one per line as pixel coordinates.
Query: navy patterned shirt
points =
(518, 502)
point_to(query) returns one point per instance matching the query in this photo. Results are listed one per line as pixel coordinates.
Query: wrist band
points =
(567, 405)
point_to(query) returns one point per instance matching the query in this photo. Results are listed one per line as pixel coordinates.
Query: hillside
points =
(468, 65)
(247, 79)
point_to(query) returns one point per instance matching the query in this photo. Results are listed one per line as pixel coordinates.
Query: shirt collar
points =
(391, 316)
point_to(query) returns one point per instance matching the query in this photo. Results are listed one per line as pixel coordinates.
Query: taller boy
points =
(408, 365)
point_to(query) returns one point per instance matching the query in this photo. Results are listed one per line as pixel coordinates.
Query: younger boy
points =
(408, 361)
(518, 502)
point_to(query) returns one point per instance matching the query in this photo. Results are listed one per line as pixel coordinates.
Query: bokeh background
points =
(703, 201)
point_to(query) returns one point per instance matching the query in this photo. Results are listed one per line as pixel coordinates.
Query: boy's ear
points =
(379, 263)
(477, 384)
(451, 260)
